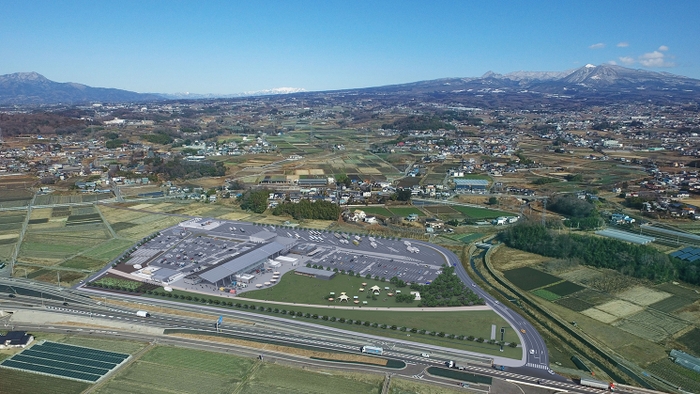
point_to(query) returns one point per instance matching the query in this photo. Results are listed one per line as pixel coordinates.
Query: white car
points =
(426, 355)
(532, 351)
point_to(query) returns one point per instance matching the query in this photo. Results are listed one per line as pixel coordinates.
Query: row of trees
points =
(639, 261)
(334, 319)
(305, 209)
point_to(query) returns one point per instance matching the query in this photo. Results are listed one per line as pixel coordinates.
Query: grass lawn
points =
(305, 290)
(474, 323)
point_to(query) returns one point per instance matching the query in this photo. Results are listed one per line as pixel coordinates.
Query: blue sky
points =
(235, 46)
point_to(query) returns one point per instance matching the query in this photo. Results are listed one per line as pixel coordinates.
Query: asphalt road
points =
(262, 328)
(535, 355)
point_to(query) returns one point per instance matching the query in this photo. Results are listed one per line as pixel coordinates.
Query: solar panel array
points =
(66, 361)
(625, 236)
(688, 254)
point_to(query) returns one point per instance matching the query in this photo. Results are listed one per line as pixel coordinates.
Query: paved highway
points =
(263, 328)
(535, 355)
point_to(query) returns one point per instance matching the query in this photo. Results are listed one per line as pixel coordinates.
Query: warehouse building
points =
(253, 260)
(315, 273)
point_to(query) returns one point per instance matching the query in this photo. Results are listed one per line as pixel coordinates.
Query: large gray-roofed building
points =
(224, 273)
(314, 273)
(262, 236)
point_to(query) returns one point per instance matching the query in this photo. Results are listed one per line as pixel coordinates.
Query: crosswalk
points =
(538, 366)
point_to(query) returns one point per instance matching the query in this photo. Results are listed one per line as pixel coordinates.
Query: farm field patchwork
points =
(574, 304)
(405, 211)
(564, 288)
(676, 375)
(644, 296)
(671, 304)
(690, 340)
(528, 278)
(652, 325)
(546, 294)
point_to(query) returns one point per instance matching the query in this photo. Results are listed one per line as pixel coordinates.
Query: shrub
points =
(480, 340)
(342, 320)
(299, 314)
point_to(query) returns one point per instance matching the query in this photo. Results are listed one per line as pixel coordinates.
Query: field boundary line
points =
(108, 377)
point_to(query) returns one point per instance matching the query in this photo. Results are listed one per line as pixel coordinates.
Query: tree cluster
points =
(639, 261)
(419, 122)
(181, 169)
(305, 209)
(447, 290)
(255, 200)
(571, 205)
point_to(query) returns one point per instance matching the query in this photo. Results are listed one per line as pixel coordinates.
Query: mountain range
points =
(603, 82)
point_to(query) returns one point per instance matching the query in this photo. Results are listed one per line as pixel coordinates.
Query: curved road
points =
(535, 355)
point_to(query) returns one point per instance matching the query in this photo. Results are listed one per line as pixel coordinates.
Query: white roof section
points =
(241, 263)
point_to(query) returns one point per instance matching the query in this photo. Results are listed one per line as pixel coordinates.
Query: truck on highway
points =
(452, 364)
(372, 350)
(499, 367)
(597, 384)
(143, 314)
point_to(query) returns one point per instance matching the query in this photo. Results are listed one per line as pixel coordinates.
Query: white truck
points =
(372, 350)
(143, 314)
(597, 384)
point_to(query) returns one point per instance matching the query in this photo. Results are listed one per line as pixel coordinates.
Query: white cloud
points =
(623, 44)
(663, 48)
(655, 59)
(612, 62)
(626, 60)
(599, 45)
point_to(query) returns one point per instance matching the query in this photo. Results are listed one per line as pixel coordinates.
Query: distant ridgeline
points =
(636, 260)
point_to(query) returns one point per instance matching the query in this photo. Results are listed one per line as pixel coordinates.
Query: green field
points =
(479, 213)
(474, 323)
(564, 288)
(690, 339)
(528, 278)
(546, 294)
(305, 290)
(270, 378)
(171, 370)
(574, 304)
(405, 211)
(670, 304)
(18, 382)
(375, 211)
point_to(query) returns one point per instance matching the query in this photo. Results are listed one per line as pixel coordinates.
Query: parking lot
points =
(183, 250)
